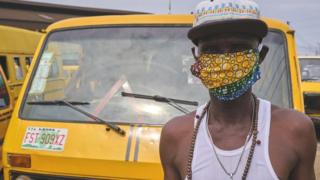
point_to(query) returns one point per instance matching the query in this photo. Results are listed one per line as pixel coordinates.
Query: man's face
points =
(221, 72)
(225, 43)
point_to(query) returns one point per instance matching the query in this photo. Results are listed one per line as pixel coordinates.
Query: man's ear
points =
(194, 53)
(263, 53)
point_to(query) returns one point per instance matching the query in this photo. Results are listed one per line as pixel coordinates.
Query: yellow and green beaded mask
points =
(228, 75)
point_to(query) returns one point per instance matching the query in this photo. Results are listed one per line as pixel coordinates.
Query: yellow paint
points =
(91, 151)
(21, 44)
(310, 88)
(295, 72)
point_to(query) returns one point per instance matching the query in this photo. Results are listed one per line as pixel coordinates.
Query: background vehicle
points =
(16, 51)
(6, 108)
(310, 71)
(57, 136)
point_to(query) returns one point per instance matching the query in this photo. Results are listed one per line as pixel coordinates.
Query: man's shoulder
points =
(292, 119)
(295, 132)
(179, 126)
(175, 134)
(296, 126)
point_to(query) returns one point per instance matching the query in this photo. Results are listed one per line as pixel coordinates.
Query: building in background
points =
(37, 16)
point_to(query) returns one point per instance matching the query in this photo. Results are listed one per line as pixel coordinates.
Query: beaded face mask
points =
(228, 75)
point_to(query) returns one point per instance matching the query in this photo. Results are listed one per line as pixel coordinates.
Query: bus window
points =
(28, 61)
(310, 69)
(18, 67)
(274, 85)
(3, 63)
(312, 103)
(4, 96)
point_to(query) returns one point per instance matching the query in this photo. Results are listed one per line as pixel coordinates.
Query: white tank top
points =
(205, 165)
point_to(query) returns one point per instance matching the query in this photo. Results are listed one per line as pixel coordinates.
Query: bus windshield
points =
(96, 65)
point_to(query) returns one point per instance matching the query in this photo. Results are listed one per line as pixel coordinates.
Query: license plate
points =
(42, 138)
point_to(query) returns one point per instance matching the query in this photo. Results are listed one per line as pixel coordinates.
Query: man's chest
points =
(281, 155)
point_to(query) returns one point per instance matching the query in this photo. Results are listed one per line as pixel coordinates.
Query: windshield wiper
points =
(173, 102)
(57, 102)
(72, 104)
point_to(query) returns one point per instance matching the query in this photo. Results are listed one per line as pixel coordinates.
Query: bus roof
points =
(143, 19)
(18, 41)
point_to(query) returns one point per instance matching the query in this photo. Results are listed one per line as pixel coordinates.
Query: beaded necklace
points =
(252, 148)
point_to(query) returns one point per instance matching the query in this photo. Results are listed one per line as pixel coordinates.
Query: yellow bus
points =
(6, 108)
(310, 73)
(16, 51)
(132, 75)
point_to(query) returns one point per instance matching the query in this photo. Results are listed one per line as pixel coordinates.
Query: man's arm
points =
(168, 146)
(306, 148)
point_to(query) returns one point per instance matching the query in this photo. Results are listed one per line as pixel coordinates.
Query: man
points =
(236, 135)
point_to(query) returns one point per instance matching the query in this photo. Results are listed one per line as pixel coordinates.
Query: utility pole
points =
(169, 6)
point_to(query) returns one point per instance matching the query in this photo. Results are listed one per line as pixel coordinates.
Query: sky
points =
(303, 15)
